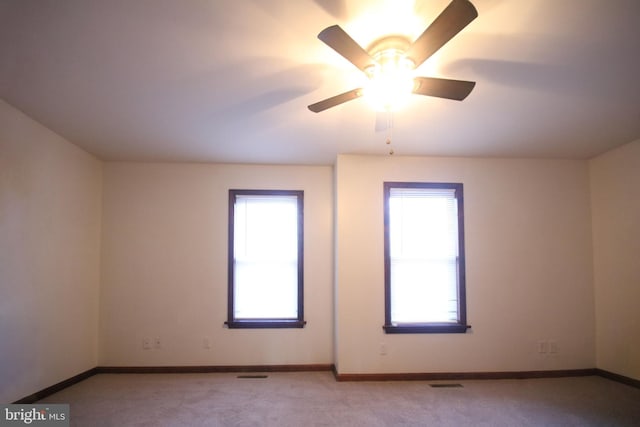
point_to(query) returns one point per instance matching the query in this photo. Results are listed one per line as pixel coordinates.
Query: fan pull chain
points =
(389, 131)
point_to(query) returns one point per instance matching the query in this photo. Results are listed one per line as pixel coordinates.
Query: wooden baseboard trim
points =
(458, 376)
(210, 369)
(619, 378)
(32, 398)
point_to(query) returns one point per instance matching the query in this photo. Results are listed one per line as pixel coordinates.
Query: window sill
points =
(426, 328)
(265, 324)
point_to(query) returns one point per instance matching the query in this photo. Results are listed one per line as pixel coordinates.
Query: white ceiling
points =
(229, 81)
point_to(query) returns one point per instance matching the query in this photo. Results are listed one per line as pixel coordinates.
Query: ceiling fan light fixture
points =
(390, 78)
(390, 81)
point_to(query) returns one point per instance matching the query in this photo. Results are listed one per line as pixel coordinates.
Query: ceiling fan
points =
(394, 56)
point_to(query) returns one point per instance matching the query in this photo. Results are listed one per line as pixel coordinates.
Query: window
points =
(265, 259)
(424, 258)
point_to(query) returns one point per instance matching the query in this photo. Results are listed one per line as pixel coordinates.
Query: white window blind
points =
(265, 257)
(424, 253)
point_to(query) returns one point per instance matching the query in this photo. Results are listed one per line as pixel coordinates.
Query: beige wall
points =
(528, 256)
(94, 258)
(50, 204)
(164, 266)
(615, 204)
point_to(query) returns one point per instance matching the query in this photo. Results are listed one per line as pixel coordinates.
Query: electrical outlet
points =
(543, 347)
(157, 344)
(206, 343)
(553, 347)
(383, 349)
(146, 343)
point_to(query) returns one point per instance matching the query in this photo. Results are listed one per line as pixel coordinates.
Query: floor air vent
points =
(445, 385)
(244, 377)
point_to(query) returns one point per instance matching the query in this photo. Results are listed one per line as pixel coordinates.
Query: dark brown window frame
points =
(426, 328)
(263, 323)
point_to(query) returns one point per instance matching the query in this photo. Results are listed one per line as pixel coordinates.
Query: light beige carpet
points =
(316, 399)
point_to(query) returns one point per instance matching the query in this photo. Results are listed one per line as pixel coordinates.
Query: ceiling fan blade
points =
(337, 39)
(443, 88)
(450, 22)
(335, 100)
